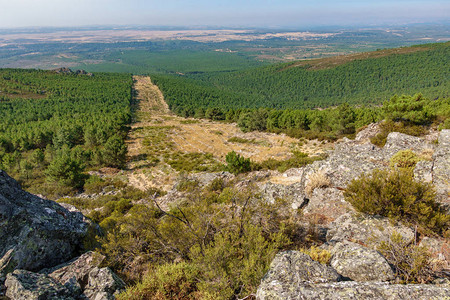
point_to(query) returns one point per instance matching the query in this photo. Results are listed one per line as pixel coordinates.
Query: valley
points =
(157, 136)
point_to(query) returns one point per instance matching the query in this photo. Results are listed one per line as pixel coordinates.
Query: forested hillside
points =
(54, 126)
(355, 80)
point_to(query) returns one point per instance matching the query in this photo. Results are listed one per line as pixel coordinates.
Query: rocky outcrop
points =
(26, 285)
(365, 229)
(41, 233)
(364, 273)
(103, 284)
(360, 263)
(351, 290)
(441, 167)
(293, 275)
(293, 268)
(38, 234)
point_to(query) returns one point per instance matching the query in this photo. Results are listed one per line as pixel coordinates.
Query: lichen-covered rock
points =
(41, 232)
(290, 269)
(271, 192)
(370, 131)
(329, 202)
(26, 285)
(360, 263)
(441, 167)
(365, 229)
(351, 290)
(103, 284)
(424, 171)
(74, 275)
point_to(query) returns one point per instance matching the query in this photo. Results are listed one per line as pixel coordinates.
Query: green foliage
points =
(115, 152)
(283, 86)
(237, 260)
(408, 109)
(405, 160)
(85, 114)
(66, 171)
(395, 194)
(223, 237)
(169, 281)
(321, 255)
(237, 164)
(193, 162)
(253, 121)
(412, 263)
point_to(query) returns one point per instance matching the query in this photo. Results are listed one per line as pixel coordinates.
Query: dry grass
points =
(317, 179)
(158, 137)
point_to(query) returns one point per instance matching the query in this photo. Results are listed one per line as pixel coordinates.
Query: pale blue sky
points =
(261, 13)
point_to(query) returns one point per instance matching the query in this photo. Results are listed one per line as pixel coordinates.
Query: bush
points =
(66, 171)
(321, 255)
(411, 262)
(237, 164)
(395, 194)
(95, 184)
(169, 281)
(410, 109)
(405, 160)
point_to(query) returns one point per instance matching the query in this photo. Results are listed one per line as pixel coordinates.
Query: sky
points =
(225, 13)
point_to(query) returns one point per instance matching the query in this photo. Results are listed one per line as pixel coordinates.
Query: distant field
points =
(167, 51)
(172, 61)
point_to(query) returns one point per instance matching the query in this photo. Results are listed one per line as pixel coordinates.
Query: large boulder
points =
(352, 290)
(290, 269)
(26, 285)
(103, 284)
(441, 168)
(365, 229)
(359, 263)
(41, 232)
(78, 279)
(294, 275)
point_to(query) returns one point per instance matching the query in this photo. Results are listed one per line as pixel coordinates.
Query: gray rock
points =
(293, 268)
(74, 275)
(365, 229)
(370, 131)
(41, 232)
(271, 192)
(424, 171)
(103, 284)
(360, 263)
(441, 167)
(328, 202)
(351, 290)
(26, 285)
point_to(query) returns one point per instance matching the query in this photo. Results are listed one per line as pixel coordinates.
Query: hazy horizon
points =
(233, 13)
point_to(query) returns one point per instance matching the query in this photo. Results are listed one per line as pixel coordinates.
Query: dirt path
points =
(156, 134)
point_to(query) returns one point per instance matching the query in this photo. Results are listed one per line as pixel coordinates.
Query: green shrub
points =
(395, 194)
(411, 262)
(405, 160)
(321, 255)
(169, 281)
(237, 164)
(95, 184)
(409, 109)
